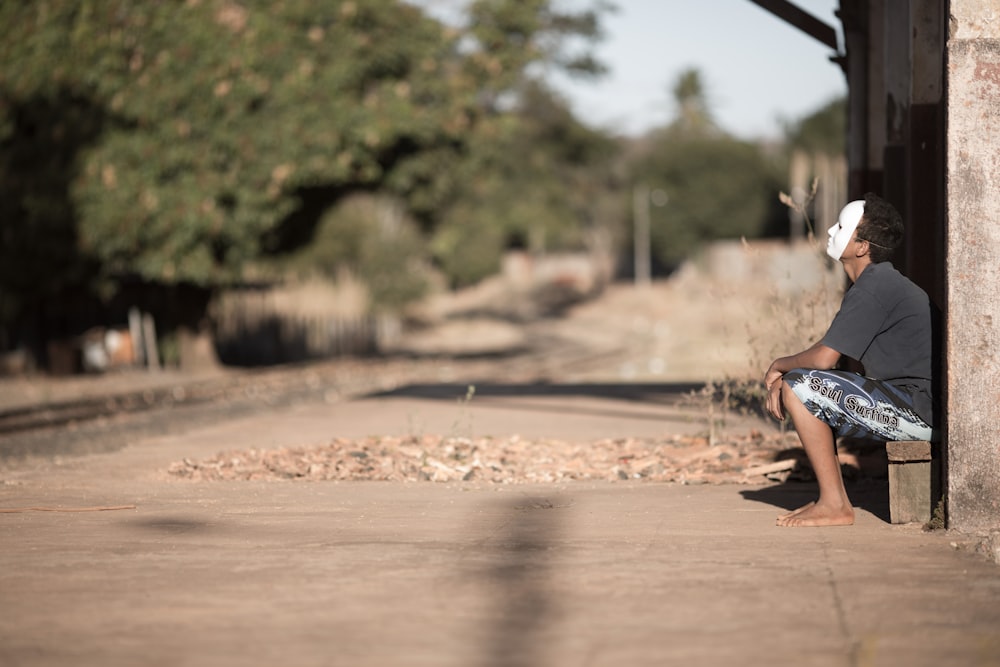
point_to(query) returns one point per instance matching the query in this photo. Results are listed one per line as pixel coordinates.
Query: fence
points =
(260, 326)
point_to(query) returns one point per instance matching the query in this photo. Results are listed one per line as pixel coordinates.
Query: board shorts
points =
(855, 406)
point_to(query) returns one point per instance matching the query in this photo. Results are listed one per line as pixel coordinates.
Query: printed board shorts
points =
(858, 407)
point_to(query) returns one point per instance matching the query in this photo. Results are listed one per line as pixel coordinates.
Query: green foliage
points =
(530, 173)
(375, 240)
(510, 36)
(171, 142)
(822, 131)
(468, 248)
(533, 179)
(38, 237)
(717, 188)
(219, 112)
(694, 115)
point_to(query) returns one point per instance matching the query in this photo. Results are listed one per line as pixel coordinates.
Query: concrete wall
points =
(973, 265)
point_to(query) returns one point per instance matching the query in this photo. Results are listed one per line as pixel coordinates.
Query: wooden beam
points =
(801, 19)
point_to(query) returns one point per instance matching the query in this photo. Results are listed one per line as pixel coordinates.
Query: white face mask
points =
(841, 233)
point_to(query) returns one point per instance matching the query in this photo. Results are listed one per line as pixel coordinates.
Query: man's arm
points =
(819, 357)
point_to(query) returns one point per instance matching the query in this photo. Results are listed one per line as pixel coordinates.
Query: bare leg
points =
(833, 507)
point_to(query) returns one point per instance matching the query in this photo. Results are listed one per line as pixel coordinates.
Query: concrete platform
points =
(631, 573)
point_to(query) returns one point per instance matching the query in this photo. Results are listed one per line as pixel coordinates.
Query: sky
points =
(757, 69)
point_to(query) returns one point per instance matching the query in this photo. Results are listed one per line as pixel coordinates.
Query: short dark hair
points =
(882, 226)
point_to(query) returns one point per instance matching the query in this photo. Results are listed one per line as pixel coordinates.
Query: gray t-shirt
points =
(888, 324)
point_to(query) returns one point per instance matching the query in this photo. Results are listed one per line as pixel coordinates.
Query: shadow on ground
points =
(665, 402)
(869, 494)
(669, 393)
(519, 558)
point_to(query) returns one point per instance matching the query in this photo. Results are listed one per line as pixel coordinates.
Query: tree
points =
(512, 37)
(178, 136)
(533, 174)
(537, 181)
(372, 237)
(186, 142)
(41, 138)
(717, 186)
(693, 113)
(822, 131)
(242, 111)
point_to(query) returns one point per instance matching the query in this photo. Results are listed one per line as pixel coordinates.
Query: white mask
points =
(841, 233)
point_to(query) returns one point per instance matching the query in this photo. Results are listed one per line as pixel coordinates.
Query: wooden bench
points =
(914, 480)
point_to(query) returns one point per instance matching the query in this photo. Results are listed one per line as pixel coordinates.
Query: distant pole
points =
(799, 177)
(640, 233)
(135, 332)
(149, 340)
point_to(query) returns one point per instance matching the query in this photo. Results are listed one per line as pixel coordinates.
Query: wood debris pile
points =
(752, 458)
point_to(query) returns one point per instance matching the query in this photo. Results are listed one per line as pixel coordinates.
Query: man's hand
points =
(772, 381)
(818, 356)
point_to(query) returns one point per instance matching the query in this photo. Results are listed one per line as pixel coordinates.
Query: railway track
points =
(238, 386)
(108, 421)
(60, 414)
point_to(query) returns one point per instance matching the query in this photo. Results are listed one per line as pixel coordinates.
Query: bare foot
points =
(818, 515)
(798, 511)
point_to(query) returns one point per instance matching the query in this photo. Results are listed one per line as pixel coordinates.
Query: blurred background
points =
(242, 183)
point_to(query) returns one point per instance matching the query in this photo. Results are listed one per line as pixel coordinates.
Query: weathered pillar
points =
(973, 266)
